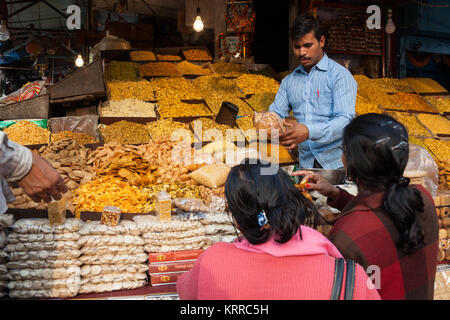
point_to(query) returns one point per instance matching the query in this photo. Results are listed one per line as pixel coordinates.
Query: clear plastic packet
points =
(190, 205)
(422, 165)
(268, 121)
(87, 124)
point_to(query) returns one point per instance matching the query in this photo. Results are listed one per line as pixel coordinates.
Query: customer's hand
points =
(318, 183)
(43, 182)
(295, 134)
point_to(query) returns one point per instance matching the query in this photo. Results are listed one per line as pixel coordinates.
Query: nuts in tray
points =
(391, 85)
(187, 68)
(196, 55)
(127, 108)
(440, 103)
(166, 128)
(412, 125)
(168, 57)
(253, 83)
(177, 88)
(125, 132)
(80, 137)
(364, 107)
(211, 129)
(141, 90)
(229, 69)
(261, 101)
(412, 102)
(373, 93)
(27, 133)
(440, 148)
(159, 69)
(142, 55)
(217, 85)
(110, 216)
(122, 71)
(169, 109)
(437, 124)
(110, 191)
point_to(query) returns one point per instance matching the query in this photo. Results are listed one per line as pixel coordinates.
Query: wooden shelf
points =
(356, 53)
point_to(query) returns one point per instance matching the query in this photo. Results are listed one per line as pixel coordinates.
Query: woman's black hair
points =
(376, 152)
(304, 24)
(248, 192)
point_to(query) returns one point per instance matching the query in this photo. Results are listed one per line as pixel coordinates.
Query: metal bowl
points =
(334, 177)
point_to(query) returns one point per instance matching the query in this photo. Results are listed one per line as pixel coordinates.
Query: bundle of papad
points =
(218, 228)
(175, 235)
(5, 221)
(113, 257)
(43, 260)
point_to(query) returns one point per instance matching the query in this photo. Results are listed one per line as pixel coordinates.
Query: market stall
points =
(123, 157)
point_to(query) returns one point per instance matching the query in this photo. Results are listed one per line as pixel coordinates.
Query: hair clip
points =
(383, 140)
(401, 145)
(262, 220)
(403, 181)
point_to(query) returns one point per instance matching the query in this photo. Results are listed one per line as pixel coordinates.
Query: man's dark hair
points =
(304, 24)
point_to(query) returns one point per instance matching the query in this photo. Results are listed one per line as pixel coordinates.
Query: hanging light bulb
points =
(4, 33)
(390, 26)
(79, 61)
(198, 23)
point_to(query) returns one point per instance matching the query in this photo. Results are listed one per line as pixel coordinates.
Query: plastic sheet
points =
(86, 124)
(421, 160)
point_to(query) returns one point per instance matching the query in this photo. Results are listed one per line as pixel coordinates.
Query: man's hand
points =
(43, 182)
(295, 134)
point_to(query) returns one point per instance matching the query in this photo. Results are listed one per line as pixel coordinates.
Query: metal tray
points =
(117, 55)
(87, 81)
(173, 51)
(33, 108)
(183, 49)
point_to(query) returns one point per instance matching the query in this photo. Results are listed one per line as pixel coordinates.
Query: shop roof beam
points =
(24, 8)
(54, 8)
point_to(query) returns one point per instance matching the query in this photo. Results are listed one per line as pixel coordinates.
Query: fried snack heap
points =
(141, 90)
(79, 137)
(252, 84)
(125, 132)
(110, 191)
(27, 133)
(177, 88)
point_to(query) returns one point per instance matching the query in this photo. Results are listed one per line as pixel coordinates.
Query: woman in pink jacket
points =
(280, 257)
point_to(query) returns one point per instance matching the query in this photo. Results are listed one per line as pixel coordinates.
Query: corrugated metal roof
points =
(43, 16)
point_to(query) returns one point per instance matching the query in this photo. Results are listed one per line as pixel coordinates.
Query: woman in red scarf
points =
(389, 224)
(280, 257)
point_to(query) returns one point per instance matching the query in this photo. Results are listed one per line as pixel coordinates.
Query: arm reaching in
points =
(42, 182)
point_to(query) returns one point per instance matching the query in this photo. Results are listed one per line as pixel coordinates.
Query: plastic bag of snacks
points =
(420, 161)
(212, 176)
(268, 121)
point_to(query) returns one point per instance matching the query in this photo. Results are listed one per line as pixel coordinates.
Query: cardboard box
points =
(158, 257)
(165, 278)
(170, 267)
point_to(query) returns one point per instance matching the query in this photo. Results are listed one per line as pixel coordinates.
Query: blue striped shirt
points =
(324, 101)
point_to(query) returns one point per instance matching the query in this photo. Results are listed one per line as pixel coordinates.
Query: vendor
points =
(322, 95)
